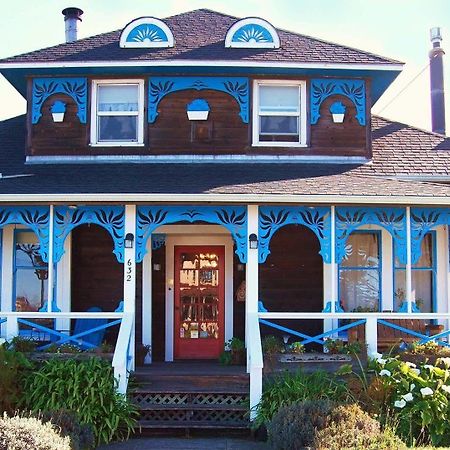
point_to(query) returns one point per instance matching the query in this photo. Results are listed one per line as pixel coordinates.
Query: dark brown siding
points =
(292, 278)
(223, 132)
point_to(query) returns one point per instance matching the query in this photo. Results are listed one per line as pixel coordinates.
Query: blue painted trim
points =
(337, 108)
(317, 219)
(37, 218)
(404, 308)
(2, 321)
(159, 87)
(54, 306)
(349, 218)
(111, 218)
(437, 337)
(233, 218)
(145, 31)
(43, 88)
(199, 104)
(158, 240)
(378, 268)
(281, 328)
(355, 90)
(252, 32)
(337, 307)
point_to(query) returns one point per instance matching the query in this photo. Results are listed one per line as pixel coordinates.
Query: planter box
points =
(44, 356)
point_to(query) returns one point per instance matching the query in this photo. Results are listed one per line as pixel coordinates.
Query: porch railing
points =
(122, 360)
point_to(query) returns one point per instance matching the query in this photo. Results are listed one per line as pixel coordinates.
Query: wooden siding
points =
(292, 278)
(172, 132)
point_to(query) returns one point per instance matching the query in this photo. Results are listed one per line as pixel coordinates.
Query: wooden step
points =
(193, 406)
(178, 389)
(154, 424)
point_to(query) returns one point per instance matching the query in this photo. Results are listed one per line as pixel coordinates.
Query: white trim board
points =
(173, 240)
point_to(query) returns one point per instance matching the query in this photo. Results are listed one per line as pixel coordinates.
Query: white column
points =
(408, 260)
(251, 269)
(371, 336)
(7, 275)
(147, 272)
(51, 267)
(129, 275)
(334, 266)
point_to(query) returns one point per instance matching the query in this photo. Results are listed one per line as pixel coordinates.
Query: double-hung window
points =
(360, 272)
(423, 277)
(279, 113)
(117, 113)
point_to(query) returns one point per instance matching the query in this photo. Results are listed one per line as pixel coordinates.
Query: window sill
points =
(280, 144)
(118, 144)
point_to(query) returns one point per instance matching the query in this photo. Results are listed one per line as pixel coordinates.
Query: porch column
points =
(147, 272)
(408, 261)
(51, 267)
(334, 266)
(129, 274)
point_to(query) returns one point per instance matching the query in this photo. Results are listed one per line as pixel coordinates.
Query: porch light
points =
(129, 239)
(198, 109)
(58, 110)
(253, 241)
(337, 110)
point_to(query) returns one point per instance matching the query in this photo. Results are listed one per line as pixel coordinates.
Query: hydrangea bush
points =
(419, 398)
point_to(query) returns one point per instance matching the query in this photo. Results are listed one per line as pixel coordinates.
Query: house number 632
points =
(129, 270)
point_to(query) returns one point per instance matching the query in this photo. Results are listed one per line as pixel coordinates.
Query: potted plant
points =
(272, 346)
(142, 351)
(337, 110)
(236, 347)
(198, 110)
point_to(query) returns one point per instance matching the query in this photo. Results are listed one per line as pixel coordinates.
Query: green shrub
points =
(13, 367)
(86, 387)
(349, 427)
(294, 426)
(67, 422)
(288, 388)
(26, 433)
(22, 344)
(271, 345)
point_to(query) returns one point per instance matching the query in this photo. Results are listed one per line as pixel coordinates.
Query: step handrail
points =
(255, 362)
(122, 359)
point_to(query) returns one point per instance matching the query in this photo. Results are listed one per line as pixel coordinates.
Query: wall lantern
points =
(58, 110)
(129, 239)
(198, 110)
(337, 109)
(253, 241)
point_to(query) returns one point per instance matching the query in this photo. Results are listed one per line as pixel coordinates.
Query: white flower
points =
(426, 391)
(385, 373)
(381, 361)
(416, 371)
(428, 366)
(411, 388)
(400, 404)
(408, 397)
(410, 364)
(445, 361)
(446, 388)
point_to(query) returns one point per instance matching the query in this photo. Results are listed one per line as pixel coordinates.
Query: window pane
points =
(279, 125)
(422, 289)
(279, 98)
(31, 289)
(359, 289)
(118, 98)
(117, 128)
(361, 250)
(27, 250)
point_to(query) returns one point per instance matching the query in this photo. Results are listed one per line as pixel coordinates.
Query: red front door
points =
(199, 301)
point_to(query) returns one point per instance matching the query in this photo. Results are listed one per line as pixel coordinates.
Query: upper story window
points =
(279, 114)
(117, 113)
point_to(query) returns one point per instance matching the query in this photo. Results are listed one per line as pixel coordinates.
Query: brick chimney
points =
(71, 18)
(437, 82)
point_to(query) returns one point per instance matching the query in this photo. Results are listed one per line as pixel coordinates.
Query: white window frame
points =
(139, 113)
(302, 115)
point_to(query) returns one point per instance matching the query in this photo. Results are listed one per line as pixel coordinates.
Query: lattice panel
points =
(218, 399)
(219, 415)
(169, 415)
(148, 399)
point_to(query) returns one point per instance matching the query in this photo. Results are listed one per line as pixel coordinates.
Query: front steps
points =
(177, 396)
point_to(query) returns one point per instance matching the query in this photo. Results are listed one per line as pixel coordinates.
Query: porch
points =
(143, 239)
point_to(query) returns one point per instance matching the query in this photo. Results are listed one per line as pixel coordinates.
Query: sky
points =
(394, 28)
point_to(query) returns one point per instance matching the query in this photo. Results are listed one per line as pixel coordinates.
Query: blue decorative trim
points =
(317, 219)
(337, 307)
(337, 108)
(348, 219)
(323, 88)
(424, 220)
(158, 240)
(233, 218)
(35, 217)
(112, 218)
(146, 32)
(44, 307)
(43, 88)
(404, 308)
(58, 107)
(198, 104)
(159, 87)
(252, 32)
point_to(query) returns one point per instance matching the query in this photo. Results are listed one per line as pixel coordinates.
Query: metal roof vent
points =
(71, 17)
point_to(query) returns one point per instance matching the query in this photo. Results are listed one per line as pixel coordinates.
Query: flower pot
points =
(58, 116)
(197, 115)
(338, 118)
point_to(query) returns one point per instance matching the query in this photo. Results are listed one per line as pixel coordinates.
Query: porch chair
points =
(82, 325)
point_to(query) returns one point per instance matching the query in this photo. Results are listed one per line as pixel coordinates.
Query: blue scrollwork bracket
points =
(158, 240)
(111, 218)
(323, 88)
(35, 217)
(237, 87)
(233, 218)
(348, 219)
(424, 220)
(317, 219)
(43, 88)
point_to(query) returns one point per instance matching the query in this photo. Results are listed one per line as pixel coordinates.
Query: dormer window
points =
(117, 113)
(279, 114)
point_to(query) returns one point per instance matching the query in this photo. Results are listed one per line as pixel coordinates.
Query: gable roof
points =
(398, 149)
(200, 35)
